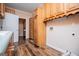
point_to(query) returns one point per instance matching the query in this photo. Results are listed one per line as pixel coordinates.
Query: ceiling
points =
(28, 7)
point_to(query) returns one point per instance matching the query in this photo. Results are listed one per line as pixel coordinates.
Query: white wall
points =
(10, 23)
(25, 15)
(60, 37)
(21, 14)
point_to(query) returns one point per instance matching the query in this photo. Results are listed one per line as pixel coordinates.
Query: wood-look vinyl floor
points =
(27, 48)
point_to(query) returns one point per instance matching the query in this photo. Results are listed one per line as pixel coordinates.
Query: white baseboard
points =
(61, 50)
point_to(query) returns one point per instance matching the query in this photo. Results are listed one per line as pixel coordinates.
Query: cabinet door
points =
(71, 6)
(35, 31)
(35, 28)
(2, 10)
(56, 9)
(43, 15)
(59, 8)
(39, 28)
(53, 9)
(47, 9)
(39, 21)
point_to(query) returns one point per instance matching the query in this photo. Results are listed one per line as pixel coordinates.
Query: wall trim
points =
(61, 50)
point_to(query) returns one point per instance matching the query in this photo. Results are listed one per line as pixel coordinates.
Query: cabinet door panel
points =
(39, 27)
(56, 9)
(71, 6)
(43, 15)
(35, 28)
(59, 8)
(53, 9)
(47, 7)
(35, 31)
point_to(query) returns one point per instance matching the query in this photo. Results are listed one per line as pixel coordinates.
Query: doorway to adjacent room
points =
(22, 30)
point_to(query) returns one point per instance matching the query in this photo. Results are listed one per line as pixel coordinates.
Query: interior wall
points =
(11, 23)
(59, 33)
(24, 15)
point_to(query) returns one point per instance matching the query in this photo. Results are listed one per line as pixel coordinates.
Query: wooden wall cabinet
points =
(47, 10)
(35, 31)
(56, 10)
(2, 10)
(39, 27)
(71, 8)
(59, 9)
(52, 10)
(9, 10)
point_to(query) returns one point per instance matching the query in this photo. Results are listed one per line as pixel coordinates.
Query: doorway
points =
(22, 30)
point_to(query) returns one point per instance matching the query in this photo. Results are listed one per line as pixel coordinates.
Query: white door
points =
(10, 23)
